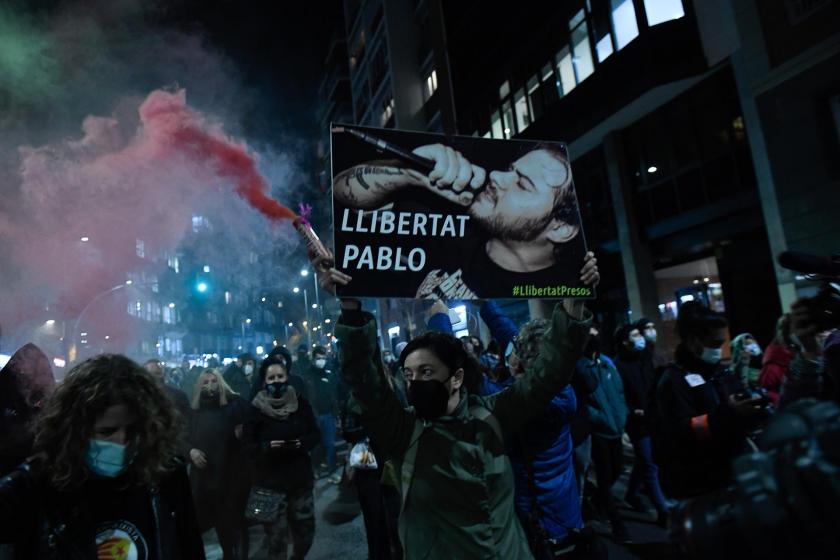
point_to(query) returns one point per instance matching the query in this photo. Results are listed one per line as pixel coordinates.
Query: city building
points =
(703, 135)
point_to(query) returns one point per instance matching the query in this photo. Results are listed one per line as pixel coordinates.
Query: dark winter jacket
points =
(281, 469)
(584, 383)
(323, 391)
(607, 409)
(636, 370)
(237, 380)
(695, 434)
(212, 430)
(46, 524)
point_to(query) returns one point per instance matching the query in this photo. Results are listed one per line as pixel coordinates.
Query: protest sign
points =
(421, 215)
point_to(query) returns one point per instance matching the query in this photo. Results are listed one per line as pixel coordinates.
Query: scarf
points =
(278, 409)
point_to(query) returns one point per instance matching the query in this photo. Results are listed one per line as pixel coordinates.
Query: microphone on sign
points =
(810, 264)
(424, 165)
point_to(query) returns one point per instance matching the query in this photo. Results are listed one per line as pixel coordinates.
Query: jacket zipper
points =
(158, 532)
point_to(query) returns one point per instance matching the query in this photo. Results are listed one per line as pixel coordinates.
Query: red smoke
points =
(166, 117)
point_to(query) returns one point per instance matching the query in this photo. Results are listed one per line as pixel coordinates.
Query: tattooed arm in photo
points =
(370, 185)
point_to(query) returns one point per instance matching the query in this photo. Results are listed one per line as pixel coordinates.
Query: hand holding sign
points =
(590, 276)
(329, 276)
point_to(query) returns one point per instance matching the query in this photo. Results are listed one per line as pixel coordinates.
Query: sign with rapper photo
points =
(420, 215)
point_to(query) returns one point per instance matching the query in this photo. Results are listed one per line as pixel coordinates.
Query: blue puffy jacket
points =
(547, 443)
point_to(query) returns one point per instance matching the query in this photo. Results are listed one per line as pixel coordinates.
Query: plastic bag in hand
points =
(362, 457)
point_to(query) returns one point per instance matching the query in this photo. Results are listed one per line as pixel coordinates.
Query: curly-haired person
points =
(105, 480)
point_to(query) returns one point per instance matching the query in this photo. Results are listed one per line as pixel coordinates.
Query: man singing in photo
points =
(527, 212)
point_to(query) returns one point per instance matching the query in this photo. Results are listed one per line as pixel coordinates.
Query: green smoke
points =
(28, 70)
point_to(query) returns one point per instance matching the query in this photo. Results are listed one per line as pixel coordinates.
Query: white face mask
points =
(753, 348)
(320, 363)
(249, 369)
(639, 343)
(711, 355)
(650, 335)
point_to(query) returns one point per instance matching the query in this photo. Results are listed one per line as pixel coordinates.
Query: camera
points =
(822, 310)
(784, 500)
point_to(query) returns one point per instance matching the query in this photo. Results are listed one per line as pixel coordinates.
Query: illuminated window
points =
(660, 11)
(533, 86)
(174, 264)
(140, 247)
(431, 83)
(507, 114)
(565, 70)
(582, 53)
(496, 126)
(604, 48)
(227, 298)
(504, 90)
(199, 222)
(520, 106)
(624, 22)
(387, 111)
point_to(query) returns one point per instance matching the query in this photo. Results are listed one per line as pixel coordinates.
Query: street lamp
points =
(305, 272)
(306, 309)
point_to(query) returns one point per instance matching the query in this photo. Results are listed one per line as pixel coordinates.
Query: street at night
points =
(419, 279)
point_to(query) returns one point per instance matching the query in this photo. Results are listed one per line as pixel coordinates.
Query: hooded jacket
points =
(459, 495)
(748, 373)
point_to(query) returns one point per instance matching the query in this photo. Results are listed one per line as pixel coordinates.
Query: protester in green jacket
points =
(456, 481)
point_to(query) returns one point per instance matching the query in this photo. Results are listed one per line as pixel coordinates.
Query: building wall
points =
(802, 141)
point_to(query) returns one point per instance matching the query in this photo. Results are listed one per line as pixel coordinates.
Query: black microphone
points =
(809, 264)
(421, 164)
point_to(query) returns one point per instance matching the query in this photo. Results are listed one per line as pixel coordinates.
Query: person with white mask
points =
(699, 420)
(239, 376)
(636, 370)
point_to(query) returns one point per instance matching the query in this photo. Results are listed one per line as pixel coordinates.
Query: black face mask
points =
(429, 398)
(276, 390)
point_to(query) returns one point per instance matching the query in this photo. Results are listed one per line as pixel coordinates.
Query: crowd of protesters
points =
(500, 450)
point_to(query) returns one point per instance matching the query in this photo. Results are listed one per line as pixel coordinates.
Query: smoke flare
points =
(166, 117)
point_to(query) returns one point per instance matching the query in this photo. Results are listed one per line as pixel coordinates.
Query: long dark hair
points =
(66, 424)
(258, 380)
